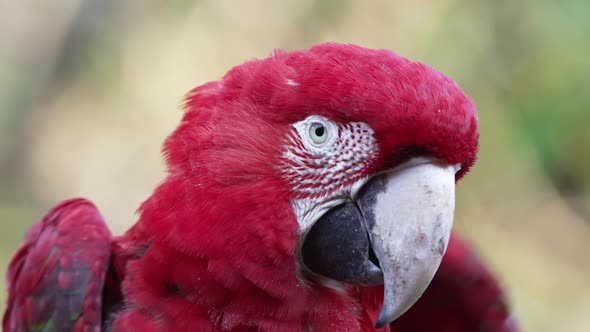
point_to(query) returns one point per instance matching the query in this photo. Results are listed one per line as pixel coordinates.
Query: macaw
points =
(312, 190)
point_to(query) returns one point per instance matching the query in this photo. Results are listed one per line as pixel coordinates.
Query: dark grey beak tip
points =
(385, 317)
(380, 324)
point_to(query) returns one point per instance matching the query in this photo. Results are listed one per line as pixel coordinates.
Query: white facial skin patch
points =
(324, 163)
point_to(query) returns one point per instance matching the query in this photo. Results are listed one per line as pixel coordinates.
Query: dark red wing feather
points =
(463, 297)
(56, 279)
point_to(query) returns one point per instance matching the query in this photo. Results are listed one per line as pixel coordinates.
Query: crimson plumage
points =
(216, 245)
(56, 277)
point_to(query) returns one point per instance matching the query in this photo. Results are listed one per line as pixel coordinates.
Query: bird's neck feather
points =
(234, 268)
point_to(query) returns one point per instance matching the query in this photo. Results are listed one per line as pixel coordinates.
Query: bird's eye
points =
(318, 132)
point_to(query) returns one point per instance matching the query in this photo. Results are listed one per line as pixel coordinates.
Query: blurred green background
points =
(89, 90)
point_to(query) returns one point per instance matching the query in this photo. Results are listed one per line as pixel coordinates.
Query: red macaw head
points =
(328, 166)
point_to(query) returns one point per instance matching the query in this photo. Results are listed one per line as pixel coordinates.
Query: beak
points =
(394, 233)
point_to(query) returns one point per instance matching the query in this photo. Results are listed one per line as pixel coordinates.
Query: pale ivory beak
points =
(409, 215)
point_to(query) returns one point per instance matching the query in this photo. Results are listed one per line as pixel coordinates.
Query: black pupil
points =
(319, 130)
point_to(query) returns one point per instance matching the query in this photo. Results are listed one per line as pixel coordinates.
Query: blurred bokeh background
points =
(90, 89)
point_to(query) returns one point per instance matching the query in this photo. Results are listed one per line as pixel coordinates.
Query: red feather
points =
(215, 247)
(56, 278)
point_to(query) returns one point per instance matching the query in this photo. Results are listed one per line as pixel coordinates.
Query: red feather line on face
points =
(314, 174)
